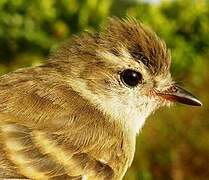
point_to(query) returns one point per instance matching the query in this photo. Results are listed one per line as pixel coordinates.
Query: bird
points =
(78, 114)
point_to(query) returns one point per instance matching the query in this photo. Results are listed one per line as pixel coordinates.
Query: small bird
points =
(77, 115)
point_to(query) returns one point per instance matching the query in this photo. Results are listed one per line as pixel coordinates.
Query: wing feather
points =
(42, 134)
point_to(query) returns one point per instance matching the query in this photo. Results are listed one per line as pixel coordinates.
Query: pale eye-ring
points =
(131, 77)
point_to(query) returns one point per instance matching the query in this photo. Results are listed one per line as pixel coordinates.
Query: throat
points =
(137, 124)
(133, 123)
(134, 117)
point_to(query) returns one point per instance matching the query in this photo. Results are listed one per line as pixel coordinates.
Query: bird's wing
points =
(41, 133)
(40, 155)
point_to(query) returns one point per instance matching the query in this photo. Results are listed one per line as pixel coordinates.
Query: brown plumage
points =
(74, 117)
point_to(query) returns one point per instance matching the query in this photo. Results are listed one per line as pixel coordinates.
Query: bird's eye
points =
(131, 78)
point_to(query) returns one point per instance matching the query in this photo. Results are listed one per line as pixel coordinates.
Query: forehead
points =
(141, 44)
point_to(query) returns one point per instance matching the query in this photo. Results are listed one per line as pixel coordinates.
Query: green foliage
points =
(173, 146)
(35, 27)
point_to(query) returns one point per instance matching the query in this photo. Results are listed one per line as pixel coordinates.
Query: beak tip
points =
(198, 103)
(192, 102)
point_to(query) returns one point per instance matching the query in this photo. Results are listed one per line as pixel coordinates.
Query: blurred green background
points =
(174, 144)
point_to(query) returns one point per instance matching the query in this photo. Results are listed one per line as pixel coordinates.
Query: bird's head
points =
(123, 71)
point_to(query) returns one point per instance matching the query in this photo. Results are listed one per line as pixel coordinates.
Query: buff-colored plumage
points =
(72, 117)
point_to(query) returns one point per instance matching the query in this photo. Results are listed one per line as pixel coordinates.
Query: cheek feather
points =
(122, 107)
(122, 104)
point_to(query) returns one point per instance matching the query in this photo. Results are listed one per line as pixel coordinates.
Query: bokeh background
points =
(174, 143)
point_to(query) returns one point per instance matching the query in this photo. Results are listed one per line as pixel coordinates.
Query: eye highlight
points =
(131, 77)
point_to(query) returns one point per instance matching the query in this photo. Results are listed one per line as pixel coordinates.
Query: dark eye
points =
(131, 78)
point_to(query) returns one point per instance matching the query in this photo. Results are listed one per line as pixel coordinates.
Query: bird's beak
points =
(178, 94)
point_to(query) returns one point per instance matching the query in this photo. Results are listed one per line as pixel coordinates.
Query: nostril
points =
(173, 89)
